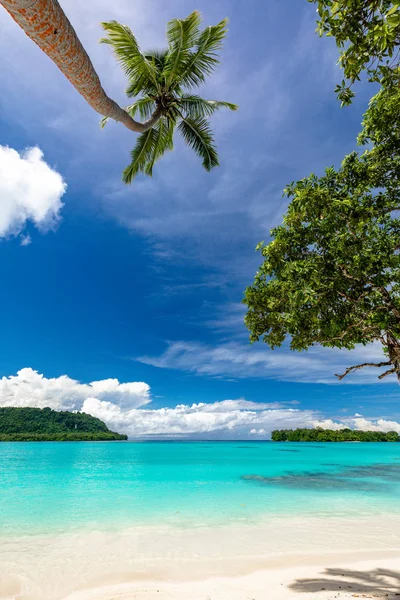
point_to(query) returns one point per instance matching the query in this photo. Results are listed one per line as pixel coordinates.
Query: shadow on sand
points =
(379, 583)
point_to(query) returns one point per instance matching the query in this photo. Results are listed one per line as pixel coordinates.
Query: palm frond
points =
(144, 106)
(182, 36)
(157, 57)
(197, 134)
(203, 60)
(126, 49)
(137, 88)
(141, 155)
(164, 142)
(195, 106)
(150, 147)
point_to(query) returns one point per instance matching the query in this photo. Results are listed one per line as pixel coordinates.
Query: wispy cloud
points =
(233, 359)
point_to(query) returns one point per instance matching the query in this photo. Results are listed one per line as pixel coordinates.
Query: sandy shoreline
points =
(280, 559)
(377, 578)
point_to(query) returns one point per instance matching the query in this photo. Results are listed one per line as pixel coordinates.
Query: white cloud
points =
(123, 407)
(360, 424)
(257, 432)
(229, 418)
(239, 360)
(30, 190)
(30, 388)
(25, 240)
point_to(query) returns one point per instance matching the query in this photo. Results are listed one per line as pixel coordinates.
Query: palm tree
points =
(157, 79)
(45, 22)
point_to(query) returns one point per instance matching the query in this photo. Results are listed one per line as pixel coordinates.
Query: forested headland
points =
(18, 424)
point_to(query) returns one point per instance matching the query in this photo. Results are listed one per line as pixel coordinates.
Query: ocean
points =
(96, 486)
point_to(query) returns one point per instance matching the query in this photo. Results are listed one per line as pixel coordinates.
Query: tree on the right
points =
(367, 33)
(330, 275)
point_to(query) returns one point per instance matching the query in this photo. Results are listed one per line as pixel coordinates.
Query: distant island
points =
(329, 435)
(47, 425)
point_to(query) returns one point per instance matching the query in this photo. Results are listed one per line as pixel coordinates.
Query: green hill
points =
(45, 424)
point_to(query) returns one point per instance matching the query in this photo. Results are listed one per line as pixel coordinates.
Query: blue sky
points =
(143, 283)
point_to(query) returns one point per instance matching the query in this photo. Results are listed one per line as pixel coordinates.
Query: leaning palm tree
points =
(156, 79)
(161, 81)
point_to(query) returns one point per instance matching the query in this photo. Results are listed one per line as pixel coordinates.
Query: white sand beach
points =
(379, 578)
(283, 559)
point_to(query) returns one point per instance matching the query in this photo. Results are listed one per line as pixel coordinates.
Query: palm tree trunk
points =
(45, 22)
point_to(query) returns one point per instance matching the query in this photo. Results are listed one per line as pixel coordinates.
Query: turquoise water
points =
(48, 487)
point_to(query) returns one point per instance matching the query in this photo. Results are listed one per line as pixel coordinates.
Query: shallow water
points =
(65, 487)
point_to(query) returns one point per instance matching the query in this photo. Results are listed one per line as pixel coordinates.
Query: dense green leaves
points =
(331, 274)
(367, 32)
(35, 424)
(333, 435)
(158, 78)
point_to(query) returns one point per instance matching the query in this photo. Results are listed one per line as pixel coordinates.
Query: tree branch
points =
(379, 288)
(45, 22)
(356, 367)
(389, 372)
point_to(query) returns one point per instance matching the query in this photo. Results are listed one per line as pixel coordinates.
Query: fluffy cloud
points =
(226, 419)
(122, 406)
(360, 423)
(30, 190)
(229, 419)
(238, 360)
(30, 388)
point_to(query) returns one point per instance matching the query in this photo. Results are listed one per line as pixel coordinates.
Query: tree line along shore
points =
(330, 435)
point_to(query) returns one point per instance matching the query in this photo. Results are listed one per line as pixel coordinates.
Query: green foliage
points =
(158, 79)
(331, 274)
(329, 435)
(35, 424)
(367, 32)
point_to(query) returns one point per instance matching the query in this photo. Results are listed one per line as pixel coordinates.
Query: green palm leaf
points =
(182, 35)
(141, 155)
(141, 72)
(197, 134)
(204, 59)
(158, 59)
(150, 147)
(144, 106)
(163, 142)
(195, 106)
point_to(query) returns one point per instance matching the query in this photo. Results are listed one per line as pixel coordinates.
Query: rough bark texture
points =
(394, 354)
(45, 22)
